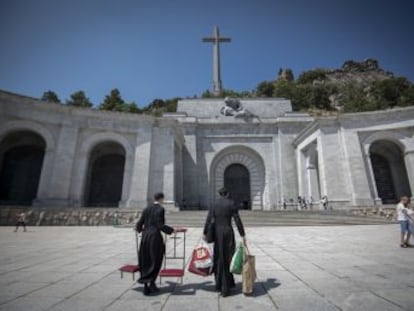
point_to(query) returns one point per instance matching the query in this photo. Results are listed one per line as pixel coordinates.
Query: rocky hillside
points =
(356, 86)
(362, 74)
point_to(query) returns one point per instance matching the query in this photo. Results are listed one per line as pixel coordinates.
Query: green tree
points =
(407, 96)
(265, 89)
(226, 93)
(131, 107)
(354, 98)
(50, 96)
(288, 90)
(387, 93)
(207, 94)
(311, 75)
(171, 104)
(113, 101)
(313, 96)
(79, 99)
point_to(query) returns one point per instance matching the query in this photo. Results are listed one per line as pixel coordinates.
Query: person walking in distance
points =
(222, 213)
(21, 220)
(152, 248)
(402, 211)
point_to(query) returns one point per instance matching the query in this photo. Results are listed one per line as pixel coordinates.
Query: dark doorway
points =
(106, 172)
(21, 166)
(389, 169)
(237, 182)
(383, 179)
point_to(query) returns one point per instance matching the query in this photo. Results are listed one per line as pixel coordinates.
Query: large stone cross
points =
(216, 39)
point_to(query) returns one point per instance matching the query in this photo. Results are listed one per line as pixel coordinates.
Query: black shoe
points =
(154, 287)
(225, 294)
(147, 290)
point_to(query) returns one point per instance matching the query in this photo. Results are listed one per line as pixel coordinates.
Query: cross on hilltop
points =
(216, 39)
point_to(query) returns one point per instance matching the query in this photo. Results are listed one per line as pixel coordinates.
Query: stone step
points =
(110, 216)
(278, 218)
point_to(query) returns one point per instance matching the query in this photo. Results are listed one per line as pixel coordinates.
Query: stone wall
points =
(69, 216)
(389, 213)
(114, 216)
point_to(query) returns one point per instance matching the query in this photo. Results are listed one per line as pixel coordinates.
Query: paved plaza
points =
(299, 268)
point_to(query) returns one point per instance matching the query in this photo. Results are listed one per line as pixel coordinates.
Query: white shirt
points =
(401, 212)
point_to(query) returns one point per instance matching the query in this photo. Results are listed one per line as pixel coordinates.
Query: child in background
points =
(21, 220)
(402, 212)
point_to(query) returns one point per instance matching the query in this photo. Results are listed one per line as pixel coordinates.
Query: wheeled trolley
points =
(132, 268)
(166, 271)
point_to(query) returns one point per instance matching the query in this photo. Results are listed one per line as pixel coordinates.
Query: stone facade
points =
(53, 155)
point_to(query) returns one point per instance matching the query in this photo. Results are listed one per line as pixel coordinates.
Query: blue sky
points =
(152, 49)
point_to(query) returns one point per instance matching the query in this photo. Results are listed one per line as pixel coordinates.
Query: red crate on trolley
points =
(175, 254)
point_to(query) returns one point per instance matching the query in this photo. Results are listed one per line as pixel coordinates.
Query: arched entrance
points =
(389, 170)
(105, 175)
(237, 182)
(21, 161)
(239, 167)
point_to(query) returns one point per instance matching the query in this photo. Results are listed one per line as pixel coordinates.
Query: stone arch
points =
(97, 138)
(395, 145)
(394, 137)
(19, 125)
(79, 182)
(105, 174)
(389, 171)
(247, 157)
(22, 155)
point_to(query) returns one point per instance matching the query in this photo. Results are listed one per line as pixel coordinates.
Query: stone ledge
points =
(389, 213)
(69, 216)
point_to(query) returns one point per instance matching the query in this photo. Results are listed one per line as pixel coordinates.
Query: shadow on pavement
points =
(260, 288)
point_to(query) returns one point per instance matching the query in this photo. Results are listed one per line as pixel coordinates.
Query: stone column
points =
(377, 199)
(138, 192)
(287, 168)
(190, 174)
(168, 174)
(59, 178)
(313, 183)
(355, 170)
(44, 182)
(409, 164)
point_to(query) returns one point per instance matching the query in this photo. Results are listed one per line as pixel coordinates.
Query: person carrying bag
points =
(222, 214)
(248, 272)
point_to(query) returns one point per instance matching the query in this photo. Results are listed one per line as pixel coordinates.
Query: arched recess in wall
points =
(381, 149)
(79, 192)
(390, 173)
(21, 161)
(105, 174)
(241, 160)
(36, 144)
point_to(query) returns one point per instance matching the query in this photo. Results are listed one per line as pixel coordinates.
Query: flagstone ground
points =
(299, 268)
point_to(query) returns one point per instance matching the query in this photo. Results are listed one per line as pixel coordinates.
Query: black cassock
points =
(224, 210)
(152, 248)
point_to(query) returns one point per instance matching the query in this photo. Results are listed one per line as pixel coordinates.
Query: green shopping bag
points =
(236, 265)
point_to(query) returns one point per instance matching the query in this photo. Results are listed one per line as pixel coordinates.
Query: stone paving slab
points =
(299, 268)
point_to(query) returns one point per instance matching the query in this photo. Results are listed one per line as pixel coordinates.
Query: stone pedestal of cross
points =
(216, 40)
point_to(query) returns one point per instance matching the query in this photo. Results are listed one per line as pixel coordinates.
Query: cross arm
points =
(212, 39)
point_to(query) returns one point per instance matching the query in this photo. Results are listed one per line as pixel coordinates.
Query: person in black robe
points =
(152, 247)
(224, 246)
